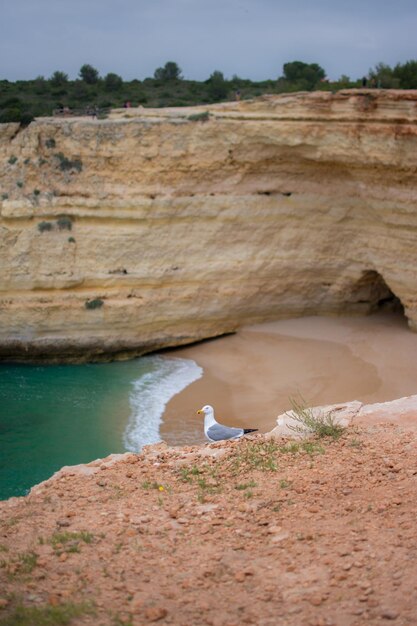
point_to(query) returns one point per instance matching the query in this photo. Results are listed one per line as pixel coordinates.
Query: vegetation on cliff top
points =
(21, 101)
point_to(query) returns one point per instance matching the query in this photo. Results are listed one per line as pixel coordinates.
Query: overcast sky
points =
(250, 38)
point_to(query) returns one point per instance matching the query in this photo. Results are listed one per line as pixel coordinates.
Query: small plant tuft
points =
(36, 192)
(59, 615)
(199, 117)
(19, 184)
(69, 541)
(256, 455)
(244, 486)
(45, 227)
(27, 562)
(50, 142)
(4, 196)
(66, 164)
(64, 222)
(71, 240)
(97, 303)
(308, 421)
(12, 159)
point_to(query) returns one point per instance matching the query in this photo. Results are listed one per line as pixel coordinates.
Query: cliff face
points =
(150, 229)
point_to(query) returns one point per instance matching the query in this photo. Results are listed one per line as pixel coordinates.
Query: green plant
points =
(199, 117)
(66, 164)
(69, 541)
(256, 455)
(36, 192)
(291, 448)
(12, 159)
(4, 196)
(71, 240)
(307, 420)
(64, 222)
(312, 448)
(19, 184)
(50, 142)
(45, 615)
(26, 161)
(45, 227)
(154, 485)
(27, 562)
(97, 303)
(187, 474)
(244, 486)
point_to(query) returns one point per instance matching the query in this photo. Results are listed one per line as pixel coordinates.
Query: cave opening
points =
(372, 292)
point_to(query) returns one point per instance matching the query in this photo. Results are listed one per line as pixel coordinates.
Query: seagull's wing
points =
(217, 432)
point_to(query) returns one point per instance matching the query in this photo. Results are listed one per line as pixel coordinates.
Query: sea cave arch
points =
(372, 294)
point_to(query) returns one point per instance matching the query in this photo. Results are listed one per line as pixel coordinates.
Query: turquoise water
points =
(52, 416)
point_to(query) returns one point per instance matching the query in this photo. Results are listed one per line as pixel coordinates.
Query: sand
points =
(250, 377)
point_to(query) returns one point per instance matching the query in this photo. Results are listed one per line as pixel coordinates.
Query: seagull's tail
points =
(250, 430)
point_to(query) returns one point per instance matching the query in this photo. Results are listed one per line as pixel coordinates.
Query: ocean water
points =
(57, 415)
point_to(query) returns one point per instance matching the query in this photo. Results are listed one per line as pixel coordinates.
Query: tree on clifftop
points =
(170, 71)
(89, 74)
(58, 79)
(305, 76)
(113, 82)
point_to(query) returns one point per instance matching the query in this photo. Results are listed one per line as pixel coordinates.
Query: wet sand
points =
(250, 377)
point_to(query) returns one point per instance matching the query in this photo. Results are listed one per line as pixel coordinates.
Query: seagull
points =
(215, 431)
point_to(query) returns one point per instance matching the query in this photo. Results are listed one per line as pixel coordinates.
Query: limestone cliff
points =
(150, 228)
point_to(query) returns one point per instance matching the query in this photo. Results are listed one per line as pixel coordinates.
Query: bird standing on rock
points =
(216, 432)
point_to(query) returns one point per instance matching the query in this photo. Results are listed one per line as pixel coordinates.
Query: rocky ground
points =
(260, 531)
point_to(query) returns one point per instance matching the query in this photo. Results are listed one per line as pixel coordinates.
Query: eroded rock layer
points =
(150, 229)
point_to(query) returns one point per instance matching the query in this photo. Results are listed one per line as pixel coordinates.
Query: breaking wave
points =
(163, 379)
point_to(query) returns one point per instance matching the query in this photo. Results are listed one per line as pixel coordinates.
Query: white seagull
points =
(215, 431)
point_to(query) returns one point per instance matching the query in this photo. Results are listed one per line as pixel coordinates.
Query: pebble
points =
(389, 614)
(62, 523)
(155, 613)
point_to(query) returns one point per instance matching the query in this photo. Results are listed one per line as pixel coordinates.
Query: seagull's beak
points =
(199, 411)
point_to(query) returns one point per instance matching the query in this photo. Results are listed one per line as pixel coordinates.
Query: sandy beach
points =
(250, 377)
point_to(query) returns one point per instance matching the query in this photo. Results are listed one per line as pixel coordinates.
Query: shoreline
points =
(249, 377)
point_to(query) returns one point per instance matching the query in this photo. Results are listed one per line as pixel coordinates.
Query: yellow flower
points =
(161, 488)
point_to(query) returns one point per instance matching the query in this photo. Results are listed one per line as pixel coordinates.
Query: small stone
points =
(316, 599)
(63, 557)
(155, 613)
(389, 614)
(240, 576)
(62, 523)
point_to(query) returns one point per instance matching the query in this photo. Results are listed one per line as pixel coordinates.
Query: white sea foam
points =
(164, 378)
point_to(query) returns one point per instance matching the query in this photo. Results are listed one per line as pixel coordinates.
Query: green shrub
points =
(50, 143)
(36, 192)
(199, 117)
(66, 164)
(308, 421)
(12, 159)
(64, 222)
(71, 240)
(44, 227)
(97, 303)
(19, 184)
(46, 615)
(5, 196)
